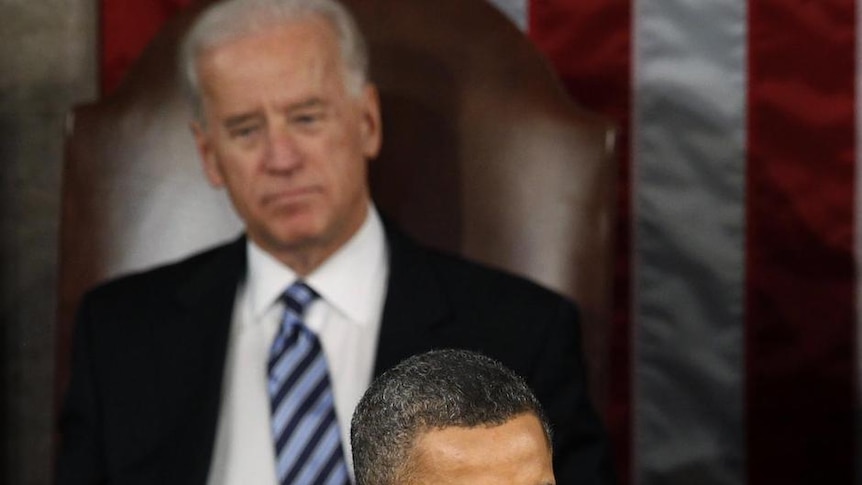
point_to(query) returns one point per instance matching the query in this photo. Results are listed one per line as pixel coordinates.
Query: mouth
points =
(289, 196)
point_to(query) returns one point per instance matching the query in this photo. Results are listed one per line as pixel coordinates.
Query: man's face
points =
(514, 453)
(286, 138)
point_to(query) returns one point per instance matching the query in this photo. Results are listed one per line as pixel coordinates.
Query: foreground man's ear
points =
(372, 129)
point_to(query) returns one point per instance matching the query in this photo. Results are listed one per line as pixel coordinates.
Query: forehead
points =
(295, 53)
(515, 452)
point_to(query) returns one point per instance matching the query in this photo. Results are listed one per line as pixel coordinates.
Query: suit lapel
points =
(191, 364)
(415, 303)
(192, 350)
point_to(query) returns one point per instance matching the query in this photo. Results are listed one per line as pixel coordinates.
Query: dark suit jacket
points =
(149, 352)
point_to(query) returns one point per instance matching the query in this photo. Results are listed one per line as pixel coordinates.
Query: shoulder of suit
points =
(461, 274)
(164, 277)
(465, 275)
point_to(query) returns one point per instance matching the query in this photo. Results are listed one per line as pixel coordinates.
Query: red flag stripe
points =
(126, 29)
(800, 281)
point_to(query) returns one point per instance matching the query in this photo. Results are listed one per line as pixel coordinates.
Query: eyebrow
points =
(308, 103)
(238, 120)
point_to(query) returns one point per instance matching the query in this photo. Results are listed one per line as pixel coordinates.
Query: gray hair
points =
(431, 391)
(232, 19)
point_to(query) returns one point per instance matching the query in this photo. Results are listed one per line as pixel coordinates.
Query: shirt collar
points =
(345, 280)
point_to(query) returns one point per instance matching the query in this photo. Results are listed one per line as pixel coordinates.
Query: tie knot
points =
(297, 297)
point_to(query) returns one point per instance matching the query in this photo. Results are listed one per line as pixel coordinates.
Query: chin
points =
(296, 237)
(298, 232)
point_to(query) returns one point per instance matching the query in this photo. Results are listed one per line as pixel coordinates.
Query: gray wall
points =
(47, 64)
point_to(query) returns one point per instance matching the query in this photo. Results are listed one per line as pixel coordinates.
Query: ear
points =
(206, 151)
(372, 129)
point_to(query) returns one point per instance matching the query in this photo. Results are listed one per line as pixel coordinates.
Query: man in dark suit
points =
(177, 372)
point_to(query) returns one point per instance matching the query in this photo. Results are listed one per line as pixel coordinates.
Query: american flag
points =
(733, 344)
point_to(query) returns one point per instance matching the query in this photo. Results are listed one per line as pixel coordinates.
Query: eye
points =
(307, 118)
(244, 131)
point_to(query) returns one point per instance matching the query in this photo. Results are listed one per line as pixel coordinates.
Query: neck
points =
(304, 263)
(305, 257)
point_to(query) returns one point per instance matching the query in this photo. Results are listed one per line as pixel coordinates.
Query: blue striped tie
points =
(307, 441)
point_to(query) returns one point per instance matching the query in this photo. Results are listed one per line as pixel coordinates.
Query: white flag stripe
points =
(688, 155)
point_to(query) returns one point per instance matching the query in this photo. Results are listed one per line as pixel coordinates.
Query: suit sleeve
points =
(581, 447)
(80, 458)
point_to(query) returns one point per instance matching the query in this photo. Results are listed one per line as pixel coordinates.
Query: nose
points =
(283, 152)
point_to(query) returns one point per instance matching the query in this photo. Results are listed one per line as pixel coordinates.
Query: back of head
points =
(435, 390)
(231, 19)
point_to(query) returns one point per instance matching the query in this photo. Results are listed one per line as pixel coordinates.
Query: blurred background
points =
(733, 347)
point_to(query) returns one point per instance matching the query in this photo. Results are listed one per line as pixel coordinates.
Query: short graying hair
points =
(435, 390)
(231, 19)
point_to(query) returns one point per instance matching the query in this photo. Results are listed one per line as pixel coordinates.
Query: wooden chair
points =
(484, 155)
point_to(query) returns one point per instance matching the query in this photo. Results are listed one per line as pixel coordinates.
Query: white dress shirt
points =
(346, 319)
